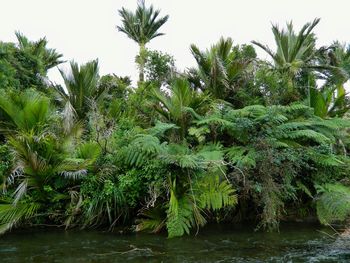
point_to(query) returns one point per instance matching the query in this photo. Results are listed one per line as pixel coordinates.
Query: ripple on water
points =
(7, 249)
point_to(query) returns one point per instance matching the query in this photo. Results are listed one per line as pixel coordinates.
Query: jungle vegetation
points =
(235, 138)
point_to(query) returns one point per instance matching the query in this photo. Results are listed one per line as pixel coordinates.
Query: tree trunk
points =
(142, 61)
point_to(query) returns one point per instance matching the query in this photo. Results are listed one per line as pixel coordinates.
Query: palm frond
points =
(10, 214)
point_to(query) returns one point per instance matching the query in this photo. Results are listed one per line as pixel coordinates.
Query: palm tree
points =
(331, 99)
(41, 155)
(295, 54)
(294, 51)
(141, 26)
(337, 58)
(223, 68)
(27, 63)
(49, 57)
(82, 88)
(181, 105)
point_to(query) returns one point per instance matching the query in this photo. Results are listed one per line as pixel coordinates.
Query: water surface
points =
(219, 243)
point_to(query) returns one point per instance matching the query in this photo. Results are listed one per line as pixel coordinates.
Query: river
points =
(216, 243)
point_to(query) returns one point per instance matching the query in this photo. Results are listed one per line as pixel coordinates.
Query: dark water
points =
(294, 243)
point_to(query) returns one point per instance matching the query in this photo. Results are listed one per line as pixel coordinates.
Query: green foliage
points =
(104, 201)
(88, 151)
(193, 180)
(42, 165)
(25, 65)
(142, 26)
(270, 147)
(224, 70)
(330, 101)
(294, 51)
(295, 60)
(179, 216)
(82, 87)
(235, 138)
(333, 203)
(117, 87)
(29, 112)
(5, 165)
(242, 157)
(213, 194)
(185, 212)
(181, 106)
(141, 148)
(159, 67)
(10, 214)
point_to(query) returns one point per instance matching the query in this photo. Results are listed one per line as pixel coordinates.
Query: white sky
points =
(86, 29)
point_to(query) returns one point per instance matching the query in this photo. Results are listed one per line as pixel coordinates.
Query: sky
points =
(83, 30)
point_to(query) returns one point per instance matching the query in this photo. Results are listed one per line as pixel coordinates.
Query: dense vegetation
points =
(235, 138)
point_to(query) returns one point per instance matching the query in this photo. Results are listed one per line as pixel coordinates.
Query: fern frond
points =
(295, 108)
(89, 151)
(181, 156)
(160, 128)
(179, 216)
(214, 120)
(333, 203)
(325, 160)
(252, 111)
(211, 153)
(144, 146)
(307, 135)
(212, 194)
(199, 133)
(242, 157)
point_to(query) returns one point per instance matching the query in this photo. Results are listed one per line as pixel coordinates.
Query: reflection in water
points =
(294, 243)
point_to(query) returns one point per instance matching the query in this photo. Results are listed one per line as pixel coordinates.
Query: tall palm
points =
(295, 55)
(141, 26)
(294, 51)
(222, 68)
(82, 88)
